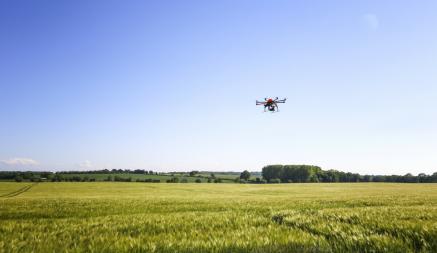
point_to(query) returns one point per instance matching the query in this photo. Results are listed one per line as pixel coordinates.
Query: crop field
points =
(139, 217)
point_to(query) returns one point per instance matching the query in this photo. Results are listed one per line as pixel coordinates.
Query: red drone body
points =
(271, 104)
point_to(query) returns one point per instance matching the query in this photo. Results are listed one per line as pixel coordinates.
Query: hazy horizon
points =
(88, 85)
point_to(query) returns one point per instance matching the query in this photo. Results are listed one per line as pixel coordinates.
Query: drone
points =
(271, 104)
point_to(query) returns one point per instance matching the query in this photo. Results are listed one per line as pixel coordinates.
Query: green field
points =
(138, 217)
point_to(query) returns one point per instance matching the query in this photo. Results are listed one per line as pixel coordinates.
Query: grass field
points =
(136, 217)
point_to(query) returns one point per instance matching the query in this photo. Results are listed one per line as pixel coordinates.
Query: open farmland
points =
(137, 217)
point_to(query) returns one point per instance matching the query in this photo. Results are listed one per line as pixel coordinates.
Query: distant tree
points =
(433, 178)
(193, 173)
(198, 180)
(35, 179)
(272, 172)
(274, 181)
(212, 175)
(76, 178)
(314, 179)
(47, 175)
(18, 179)
(367, 178)
(409, 178)
(245, 175)
(217, 180)
(209, 180)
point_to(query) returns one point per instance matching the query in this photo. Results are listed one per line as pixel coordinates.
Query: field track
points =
(18, 192)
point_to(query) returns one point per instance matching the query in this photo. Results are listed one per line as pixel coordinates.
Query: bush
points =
(275, 181)
(173, 180)
(18, 179)
(184, 180)
(198, 180)
(76, 179)
(35, 179)
(57, 178)
(217, 180)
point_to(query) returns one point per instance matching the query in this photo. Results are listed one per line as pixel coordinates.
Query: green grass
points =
(140, 217)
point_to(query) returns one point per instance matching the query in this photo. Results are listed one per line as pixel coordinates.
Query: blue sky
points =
(171, 85)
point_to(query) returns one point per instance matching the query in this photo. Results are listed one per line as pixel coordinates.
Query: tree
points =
(198, 180)
(245, 175)
(272, 171)
(275, 181)
(193, 173)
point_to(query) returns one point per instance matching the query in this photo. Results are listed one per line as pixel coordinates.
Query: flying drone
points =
(271, 104)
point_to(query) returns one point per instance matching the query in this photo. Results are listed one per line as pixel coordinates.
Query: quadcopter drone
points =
(271, 104)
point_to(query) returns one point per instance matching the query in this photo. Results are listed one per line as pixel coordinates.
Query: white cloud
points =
(371, 21)
(20, 161)
(86, 165)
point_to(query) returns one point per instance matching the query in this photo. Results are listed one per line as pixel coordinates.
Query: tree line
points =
(270, 174)
(310, 173)
(113, 171)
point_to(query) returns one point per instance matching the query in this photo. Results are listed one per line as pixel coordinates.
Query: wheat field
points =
(141, 217)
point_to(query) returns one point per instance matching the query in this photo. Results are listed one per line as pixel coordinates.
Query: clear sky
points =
(171, 85)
